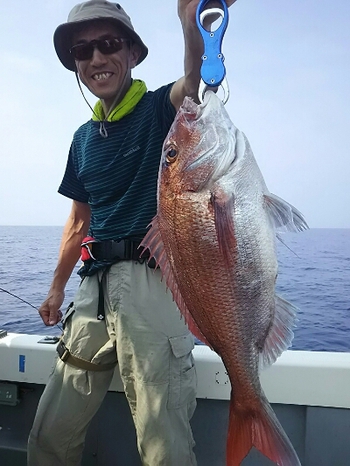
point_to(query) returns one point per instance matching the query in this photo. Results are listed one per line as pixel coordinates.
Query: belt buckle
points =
(116, 250)
(62, 351)
(128, 249)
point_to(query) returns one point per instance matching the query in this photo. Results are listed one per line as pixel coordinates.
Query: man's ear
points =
(135, 52)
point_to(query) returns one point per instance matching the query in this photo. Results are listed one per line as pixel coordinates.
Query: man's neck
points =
(110, 104)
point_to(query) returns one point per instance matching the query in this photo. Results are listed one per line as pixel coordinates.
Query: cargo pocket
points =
(182, 377)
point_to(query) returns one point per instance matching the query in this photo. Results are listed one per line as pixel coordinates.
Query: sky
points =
(288, 68)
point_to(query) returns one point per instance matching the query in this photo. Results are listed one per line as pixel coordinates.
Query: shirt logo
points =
(131, 151)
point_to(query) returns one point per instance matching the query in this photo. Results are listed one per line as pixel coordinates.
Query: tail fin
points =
(261, 429)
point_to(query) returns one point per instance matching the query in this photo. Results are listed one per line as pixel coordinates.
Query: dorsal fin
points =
(154, 243)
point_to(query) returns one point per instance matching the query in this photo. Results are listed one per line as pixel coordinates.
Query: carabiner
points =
(213, 72)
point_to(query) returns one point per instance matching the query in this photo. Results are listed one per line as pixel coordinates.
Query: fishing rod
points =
(24, 301)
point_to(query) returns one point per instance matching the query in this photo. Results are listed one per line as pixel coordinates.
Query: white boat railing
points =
(297, 378)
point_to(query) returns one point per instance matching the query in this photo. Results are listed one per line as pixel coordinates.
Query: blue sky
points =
(289, 73)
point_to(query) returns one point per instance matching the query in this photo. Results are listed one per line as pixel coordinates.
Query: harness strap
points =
(101, 255)
(101, 300)
(81, 363)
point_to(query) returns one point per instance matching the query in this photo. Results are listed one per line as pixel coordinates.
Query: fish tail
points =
(262, 430)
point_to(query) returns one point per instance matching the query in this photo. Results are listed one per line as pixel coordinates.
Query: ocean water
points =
(314, 275)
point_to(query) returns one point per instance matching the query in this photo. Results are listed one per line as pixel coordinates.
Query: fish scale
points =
(213, 238)
(206, 304)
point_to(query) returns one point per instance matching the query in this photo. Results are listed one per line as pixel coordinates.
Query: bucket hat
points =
(85, 13)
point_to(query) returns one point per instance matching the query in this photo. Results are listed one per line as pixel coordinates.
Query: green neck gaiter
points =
(131, 99)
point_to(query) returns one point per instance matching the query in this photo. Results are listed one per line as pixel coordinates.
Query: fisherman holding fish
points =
(121, 313)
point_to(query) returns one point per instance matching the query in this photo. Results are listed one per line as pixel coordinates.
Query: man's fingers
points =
(55, 316)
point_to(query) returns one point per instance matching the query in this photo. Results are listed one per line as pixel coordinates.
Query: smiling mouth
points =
(101, 76)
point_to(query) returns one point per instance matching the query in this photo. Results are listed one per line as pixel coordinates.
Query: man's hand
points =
(188, 85)
(50, 309)
(187, 8)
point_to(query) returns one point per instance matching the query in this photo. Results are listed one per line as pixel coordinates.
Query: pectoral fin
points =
(225, 231)
(283, 215)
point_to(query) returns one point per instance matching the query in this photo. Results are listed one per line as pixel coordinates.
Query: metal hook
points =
(203, 87)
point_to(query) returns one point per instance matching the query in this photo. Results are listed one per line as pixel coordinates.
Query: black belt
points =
(124, 249)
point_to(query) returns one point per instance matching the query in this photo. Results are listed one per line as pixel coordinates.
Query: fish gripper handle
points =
(212, 70)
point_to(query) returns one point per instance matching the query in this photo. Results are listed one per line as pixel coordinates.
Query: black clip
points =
(62, 351)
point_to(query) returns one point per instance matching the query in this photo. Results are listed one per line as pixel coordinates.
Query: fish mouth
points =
(216, 144)
(189, 106)
(190, 111)
(208, 113)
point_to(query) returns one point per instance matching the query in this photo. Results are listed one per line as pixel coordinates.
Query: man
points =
(121, 312)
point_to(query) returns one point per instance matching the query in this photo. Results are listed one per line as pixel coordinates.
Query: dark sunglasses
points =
(106, 46)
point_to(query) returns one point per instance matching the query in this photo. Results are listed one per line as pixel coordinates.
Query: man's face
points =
(106, 75)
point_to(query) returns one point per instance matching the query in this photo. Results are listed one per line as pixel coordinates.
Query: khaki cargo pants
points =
(143, 331)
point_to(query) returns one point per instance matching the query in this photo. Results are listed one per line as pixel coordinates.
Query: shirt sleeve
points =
(71, 186)
(165, 110)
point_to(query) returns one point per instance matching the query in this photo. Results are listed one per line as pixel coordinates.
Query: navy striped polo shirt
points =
(117, 175)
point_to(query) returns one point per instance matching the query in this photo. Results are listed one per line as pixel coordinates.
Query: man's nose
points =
(98, 57)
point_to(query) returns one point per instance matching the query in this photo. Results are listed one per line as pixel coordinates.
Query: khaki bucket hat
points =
(90, 11)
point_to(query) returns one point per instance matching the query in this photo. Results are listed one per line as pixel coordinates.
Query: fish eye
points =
(171, 154)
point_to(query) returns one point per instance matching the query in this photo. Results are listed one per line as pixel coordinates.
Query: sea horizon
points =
(314, 275)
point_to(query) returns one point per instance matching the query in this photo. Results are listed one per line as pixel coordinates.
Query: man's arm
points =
(75, 230)
(189, 83)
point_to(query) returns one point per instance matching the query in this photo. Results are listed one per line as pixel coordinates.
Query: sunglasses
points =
(106, 46)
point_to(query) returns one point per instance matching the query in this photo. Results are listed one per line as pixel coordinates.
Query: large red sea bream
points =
(214, 240)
